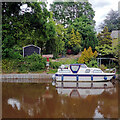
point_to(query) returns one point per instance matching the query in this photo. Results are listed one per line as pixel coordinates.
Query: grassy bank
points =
(33, 64)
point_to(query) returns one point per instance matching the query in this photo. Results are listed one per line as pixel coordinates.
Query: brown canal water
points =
(64, 100)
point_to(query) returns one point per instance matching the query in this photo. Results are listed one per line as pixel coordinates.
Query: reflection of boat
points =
(83, 89)
(80, 72)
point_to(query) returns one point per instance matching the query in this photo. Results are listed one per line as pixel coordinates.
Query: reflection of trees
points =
(109, 104)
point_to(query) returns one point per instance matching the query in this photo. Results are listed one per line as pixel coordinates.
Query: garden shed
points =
(30, 49)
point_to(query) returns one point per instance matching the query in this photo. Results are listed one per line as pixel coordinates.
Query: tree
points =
(66, 12)
(74, 42)
(104, 50)
(86, 29)
(104, 37)
(60, 31)
(111, 21)
(55, 35)
(87, 55)
(23, 27)
(75, 39)
(10, 12)
(105, 44)
(38, 22)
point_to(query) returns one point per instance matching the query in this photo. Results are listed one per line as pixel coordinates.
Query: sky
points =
(101, 8)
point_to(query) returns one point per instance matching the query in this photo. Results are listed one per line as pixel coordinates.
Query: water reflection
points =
(97, 114)
(83, 89)
(14, 103)
(64, 100)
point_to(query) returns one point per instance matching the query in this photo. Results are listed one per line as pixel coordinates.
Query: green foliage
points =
(92, 63)
(76, 49)
(51, 71)
(35, 62)
(31, 63)
(23, 28)
(104, 50)
(37, 27)
(103, 67)
(104, 37)
(105, 44)
(75, 39)
(55, 43)
(85, 28)
(9, 66)
(66, 12)
(55, 65)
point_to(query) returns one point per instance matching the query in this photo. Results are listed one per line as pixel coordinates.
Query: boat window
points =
(87, 71)
(97, 71)
(83, 66)
(64, 71)
(74, 68)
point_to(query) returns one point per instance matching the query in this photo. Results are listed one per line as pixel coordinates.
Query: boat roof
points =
(77, 64)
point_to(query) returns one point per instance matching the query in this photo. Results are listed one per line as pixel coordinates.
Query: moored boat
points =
(80, 72)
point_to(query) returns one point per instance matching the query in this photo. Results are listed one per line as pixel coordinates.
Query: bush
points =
(34, 63)
(55, 65)
(103, 67)
(35, 66)
(87, 55)
(76, 49)
(92, 63)
(9, 66)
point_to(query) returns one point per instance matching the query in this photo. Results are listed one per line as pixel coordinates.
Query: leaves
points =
(87, 55)
(85, 28)
(107, 50)
(75, 39)
(104, 37)
(66, 12)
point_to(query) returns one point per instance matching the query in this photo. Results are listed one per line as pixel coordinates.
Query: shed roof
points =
(115, 34)
(31, 45)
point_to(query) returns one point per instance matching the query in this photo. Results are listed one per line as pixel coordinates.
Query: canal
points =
(62, 100)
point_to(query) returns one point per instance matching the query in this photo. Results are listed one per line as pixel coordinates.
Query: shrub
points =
(35, 66)
(92, 63)
(34, 62)
(55, 65)
(9, 66)
(87, 55)
(76, 49)
(103, 67)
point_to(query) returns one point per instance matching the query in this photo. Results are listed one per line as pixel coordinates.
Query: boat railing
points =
(112, 70)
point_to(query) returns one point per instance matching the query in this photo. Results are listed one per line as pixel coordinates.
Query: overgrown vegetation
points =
(36, 25)
(33, 63)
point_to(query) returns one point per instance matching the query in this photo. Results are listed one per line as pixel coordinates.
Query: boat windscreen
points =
(83, 66)
(74, 68)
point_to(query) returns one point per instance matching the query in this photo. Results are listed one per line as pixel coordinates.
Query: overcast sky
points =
(101, 8)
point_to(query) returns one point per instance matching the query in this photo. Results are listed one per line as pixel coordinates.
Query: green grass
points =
(51, 71)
